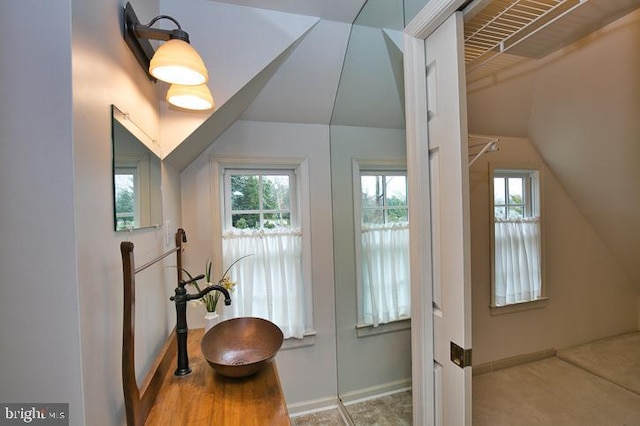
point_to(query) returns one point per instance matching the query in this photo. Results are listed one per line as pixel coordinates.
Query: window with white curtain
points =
(517, 237)
(262, 221)
(384, 284)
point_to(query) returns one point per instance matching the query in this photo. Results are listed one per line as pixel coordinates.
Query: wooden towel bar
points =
(139, 400)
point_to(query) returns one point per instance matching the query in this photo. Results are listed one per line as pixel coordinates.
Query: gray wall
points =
(377, 362)
(307, 373)
(40, 334)
(61, 301)
(105, 72)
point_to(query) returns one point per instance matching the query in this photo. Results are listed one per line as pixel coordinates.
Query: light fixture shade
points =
(190, 97)
(176, 62)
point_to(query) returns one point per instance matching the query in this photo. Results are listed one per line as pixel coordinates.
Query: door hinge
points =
(460, 357)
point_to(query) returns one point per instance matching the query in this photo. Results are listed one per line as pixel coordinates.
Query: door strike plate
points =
(460, 357)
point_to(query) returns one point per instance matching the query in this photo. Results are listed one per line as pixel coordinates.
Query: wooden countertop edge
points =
(220, 401)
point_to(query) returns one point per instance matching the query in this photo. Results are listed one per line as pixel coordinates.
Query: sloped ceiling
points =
(304, 89)
(331, 10)
(371, 91)
(268, 65)
(580, 109)
(242, 47)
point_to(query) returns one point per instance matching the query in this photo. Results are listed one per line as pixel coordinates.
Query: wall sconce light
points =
(175, 62)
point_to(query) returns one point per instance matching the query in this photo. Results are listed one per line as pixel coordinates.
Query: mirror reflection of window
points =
(137, 197)
(384, 252)
(125, 185)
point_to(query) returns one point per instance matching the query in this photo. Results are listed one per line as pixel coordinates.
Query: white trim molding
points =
(424, 23)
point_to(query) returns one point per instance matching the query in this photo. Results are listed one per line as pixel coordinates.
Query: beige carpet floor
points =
(596, 384)
(551, 392)
(616, 359)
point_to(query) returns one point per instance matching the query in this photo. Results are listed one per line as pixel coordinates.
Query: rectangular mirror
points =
(137, 196)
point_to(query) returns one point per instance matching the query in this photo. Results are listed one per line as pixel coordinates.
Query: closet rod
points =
(489, 145)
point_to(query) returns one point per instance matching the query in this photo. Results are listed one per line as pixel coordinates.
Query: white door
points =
(439, 173)
(448, 165)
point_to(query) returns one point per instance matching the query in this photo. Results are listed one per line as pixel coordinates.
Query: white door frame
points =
(422, 348)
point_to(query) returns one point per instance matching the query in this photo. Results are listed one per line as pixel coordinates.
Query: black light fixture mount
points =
(175, 62)
(138, 35)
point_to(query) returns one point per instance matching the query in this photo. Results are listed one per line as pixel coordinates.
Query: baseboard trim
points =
(513, 361)
(313, 406)
(375, 391)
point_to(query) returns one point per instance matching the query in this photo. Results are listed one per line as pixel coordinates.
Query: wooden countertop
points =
(204, 397)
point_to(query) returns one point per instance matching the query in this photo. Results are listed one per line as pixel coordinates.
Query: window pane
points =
(124, 193)
(372, 216)
(371, 191)
(517, 244)
(275, 190)
(277, 220)
(244, 193)
(246, 221)
(398, 215)
(515, 190)
(396, 190)
(125, 200)
(498, 190)
(516, 212)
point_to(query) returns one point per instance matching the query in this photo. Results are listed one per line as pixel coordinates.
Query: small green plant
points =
(210, 300)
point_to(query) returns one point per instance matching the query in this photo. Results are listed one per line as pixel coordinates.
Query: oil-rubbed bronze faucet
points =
(181, 298)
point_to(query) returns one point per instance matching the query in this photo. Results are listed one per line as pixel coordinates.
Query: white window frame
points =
(135, 165)
(361, 166)
(293, 189)
(301, 187)
(533, 198)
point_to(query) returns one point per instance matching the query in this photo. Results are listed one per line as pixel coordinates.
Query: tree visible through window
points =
(260, 201)
(261, 222)
(125, 196)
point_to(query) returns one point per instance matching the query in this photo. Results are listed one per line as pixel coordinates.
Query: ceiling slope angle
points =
(331, 10)
(371, 91)
(237, 43)
(304, 88)
(209, 130)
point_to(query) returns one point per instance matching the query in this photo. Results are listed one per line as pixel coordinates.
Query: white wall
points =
(38, 259)
(307, 373)
(104, 73)
(61, 304)
(591, 296)
(579, 107)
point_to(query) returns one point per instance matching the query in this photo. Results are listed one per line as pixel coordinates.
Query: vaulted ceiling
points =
(321, 64)
(338, 62)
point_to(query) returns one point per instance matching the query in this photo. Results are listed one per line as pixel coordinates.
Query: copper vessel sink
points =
(240, 347)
